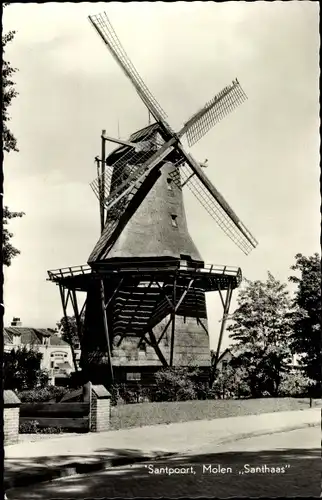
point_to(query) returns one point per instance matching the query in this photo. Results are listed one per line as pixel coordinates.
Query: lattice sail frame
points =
(105, 29)
(214, 209)
(214, 111)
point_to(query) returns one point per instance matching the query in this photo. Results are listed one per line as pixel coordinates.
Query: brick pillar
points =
(100, 409)
(11, 408)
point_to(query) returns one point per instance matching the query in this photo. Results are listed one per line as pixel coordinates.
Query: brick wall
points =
(100, 410)
(11, 425)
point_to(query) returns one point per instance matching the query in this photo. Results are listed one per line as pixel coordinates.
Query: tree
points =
(231, 381)
(9, 143)
(8, 250)
(21, 370)
(8, 94)
(306, 318)
(69, 331)
(261, 331)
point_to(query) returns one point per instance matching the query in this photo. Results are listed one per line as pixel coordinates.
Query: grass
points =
(137, 415)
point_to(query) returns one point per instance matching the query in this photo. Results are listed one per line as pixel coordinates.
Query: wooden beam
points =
(223, 324)
(157, 349)
(106, 329)
(65, 303)
(102, 183)
(173, 317)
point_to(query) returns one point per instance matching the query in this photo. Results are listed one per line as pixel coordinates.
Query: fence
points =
(74, 416)
(92, 414)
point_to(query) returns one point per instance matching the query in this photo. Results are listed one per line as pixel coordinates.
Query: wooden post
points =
(99, 181)
(62, 295)
(222, 328)
(106, 330)
(102, 184)
(173, 321)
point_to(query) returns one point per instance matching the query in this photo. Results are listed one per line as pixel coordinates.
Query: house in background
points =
(223, 360)
(57, 356)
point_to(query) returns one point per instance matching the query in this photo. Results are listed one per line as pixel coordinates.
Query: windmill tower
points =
(145, 281)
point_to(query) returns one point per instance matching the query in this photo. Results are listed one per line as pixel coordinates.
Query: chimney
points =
(16, 322)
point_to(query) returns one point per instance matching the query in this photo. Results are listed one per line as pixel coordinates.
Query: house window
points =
(58, 355)
(169, 183)
(133, 376)
(224, 364)
(51, 364)
(174, 220)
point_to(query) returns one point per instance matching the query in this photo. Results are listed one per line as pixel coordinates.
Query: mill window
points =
(169, 183)
(174, 220)
(133, 376)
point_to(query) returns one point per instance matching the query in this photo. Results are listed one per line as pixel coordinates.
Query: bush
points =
(230, 383)
(32, 427)
(295, 383)
(43, 395)
(125, 394)
(176, 384)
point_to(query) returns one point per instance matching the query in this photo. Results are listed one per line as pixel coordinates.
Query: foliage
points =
(68, 328)
(21, 370)
(261, 332)
(8, 250)
(125, 394)
(9, 143)
(295, 383)
(32, 427)
(230, 382)
(43, 395)
(176, 384)
(8, 94)
(306, 317)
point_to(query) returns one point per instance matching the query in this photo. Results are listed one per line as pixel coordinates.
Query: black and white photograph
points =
(161, 250)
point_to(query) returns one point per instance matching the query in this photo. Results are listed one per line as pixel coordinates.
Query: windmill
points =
(145, 275)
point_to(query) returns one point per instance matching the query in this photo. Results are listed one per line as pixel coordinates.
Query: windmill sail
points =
(216, 205)
(106, 31)
(216, 109)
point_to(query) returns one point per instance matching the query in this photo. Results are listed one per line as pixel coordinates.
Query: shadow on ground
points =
(299, 476)
(22, 470)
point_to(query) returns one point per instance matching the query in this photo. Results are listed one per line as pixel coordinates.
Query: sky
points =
(263, 157)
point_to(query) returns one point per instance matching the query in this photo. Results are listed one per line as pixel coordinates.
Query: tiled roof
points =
(7, 337)
(64, 366)
(55, 340)
(32, 335)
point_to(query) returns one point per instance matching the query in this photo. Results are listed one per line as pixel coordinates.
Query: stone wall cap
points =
(10, 398)
(100, 391)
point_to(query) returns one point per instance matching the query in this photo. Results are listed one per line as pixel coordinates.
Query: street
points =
(285, 464)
